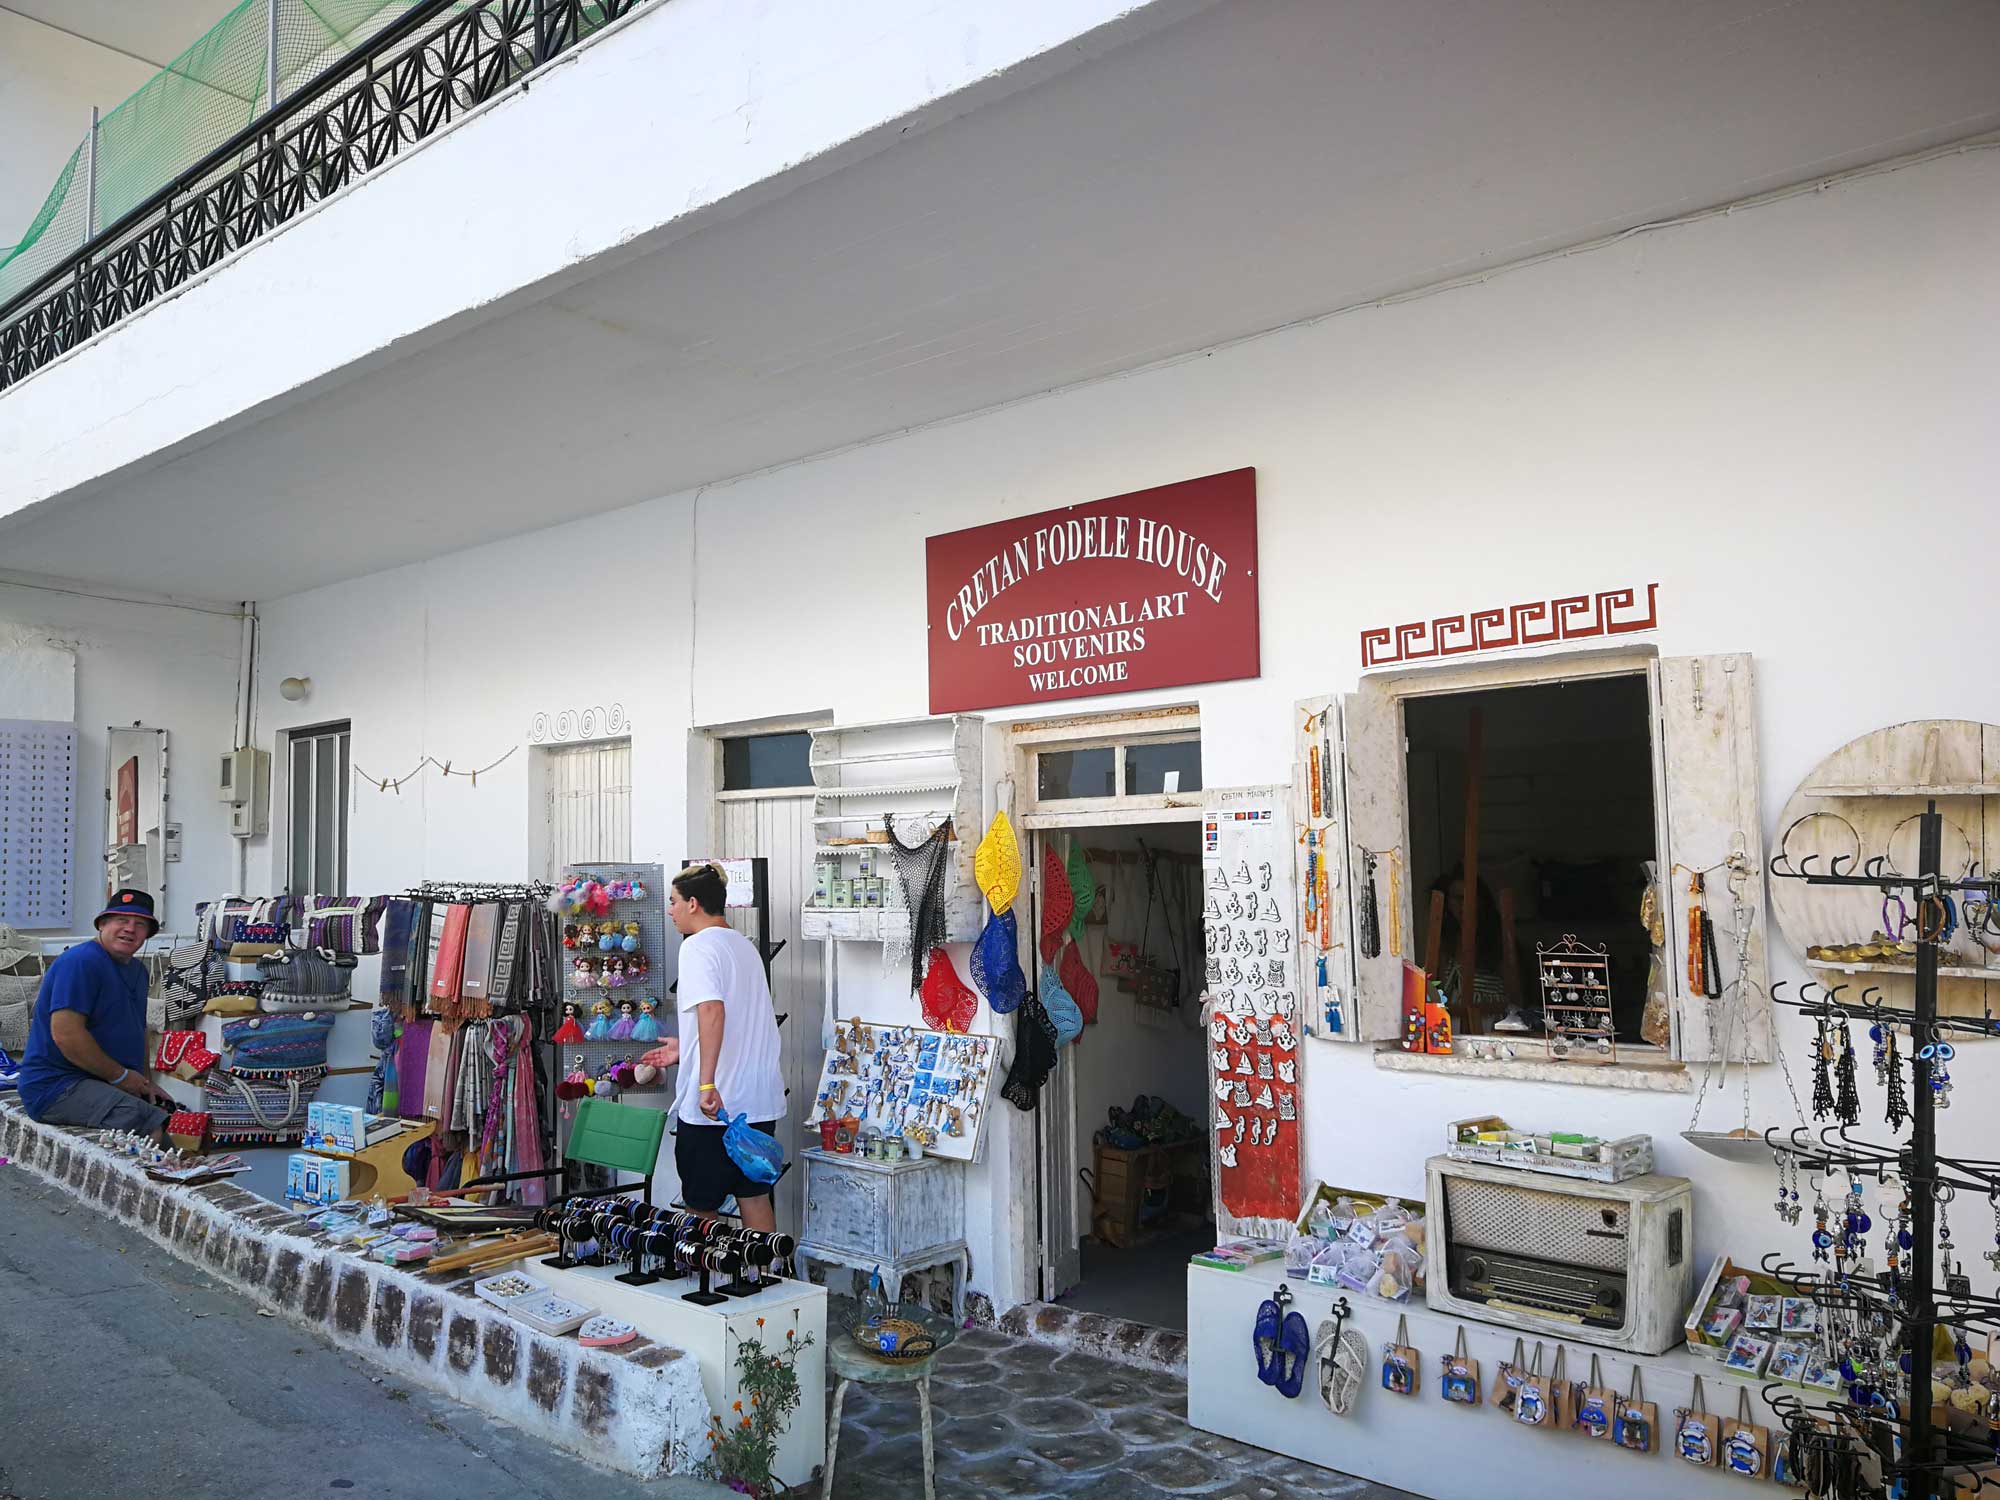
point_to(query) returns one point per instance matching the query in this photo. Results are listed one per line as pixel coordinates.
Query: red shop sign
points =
(1153, 589)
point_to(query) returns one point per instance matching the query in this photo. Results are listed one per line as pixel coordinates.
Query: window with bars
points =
(316, 828)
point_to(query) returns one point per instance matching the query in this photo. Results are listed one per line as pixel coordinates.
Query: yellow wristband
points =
(707, 1088)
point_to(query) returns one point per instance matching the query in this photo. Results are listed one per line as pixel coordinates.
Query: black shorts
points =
(709, 1175)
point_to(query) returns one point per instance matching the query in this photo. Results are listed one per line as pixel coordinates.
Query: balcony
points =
(413, 79)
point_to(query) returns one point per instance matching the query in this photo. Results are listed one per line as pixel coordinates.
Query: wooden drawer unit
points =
(887, 1210)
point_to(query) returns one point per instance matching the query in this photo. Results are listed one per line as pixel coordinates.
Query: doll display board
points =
(650, 914)
(1249, 914)
(1860, 804)
(896, 1078)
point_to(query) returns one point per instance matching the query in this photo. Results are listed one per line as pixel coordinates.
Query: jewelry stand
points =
(751, 1257)
(638, 1275)
(695, 1254)
(562, 1260)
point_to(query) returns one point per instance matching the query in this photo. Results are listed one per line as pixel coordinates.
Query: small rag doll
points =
(630, 942)
(583, 973)
(586, 935)
(637, 967)
(569, 934)
(599, 1029)
(607, 937)
(613, 977)
(646, 1029)
(569, 1031)
(621, 1029)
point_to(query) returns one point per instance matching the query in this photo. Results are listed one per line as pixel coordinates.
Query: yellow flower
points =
(738, 1406)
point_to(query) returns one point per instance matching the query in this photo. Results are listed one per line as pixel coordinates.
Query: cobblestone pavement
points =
(1017, 1419)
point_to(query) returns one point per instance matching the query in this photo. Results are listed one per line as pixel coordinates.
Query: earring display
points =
(1576, 1001)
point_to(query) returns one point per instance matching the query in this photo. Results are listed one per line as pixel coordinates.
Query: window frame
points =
(775, 789)
(339, 734)
(1116, 734)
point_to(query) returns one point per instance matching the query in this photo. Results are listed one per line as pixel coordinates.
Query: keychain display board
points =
(1859, 805)
(1326, 959)
(1249, 908)
(896, 1077)
(37, 821)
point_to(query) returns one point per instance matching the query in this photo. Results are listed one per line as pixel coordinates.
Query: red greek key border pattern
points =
(1539, 622)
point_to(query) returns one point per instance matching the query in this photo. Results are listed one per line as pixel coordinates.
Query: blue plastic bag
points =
(758, 1156)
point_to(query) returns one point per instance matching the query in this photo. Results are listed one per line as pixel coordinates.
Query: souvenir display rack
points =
(1576, 1000)
(1883, 1436)
(650, 912)
(906, 768)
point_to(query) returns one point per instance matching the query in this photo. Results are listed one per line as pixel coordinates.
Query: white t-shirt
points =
(720, 963)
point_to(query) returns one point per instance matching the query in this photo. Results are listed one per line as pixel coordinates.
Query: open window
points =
(1566, 787)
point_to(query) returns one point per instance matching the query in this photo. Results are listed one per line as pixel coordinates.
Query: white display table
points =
(1423, 1443)
(710, 1336)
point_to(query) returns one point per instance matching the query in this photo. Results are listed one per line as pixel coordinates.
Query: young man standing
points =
(728, 1049)
(86, 1058)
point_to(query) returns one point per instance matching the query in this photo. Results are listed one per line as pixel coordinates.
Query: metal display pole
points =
(90, 181)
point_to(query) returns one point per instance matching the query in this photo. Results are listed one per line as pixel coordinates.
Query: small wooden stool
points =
(845, 1359)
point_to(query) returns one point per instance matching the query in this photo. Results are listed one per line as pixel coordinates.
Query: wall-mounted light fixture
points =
(295, 689)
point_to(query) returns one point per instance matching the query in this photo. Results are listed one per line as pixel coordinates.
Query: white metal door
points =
(778, 826)
(589, 806)
(1055, 1127)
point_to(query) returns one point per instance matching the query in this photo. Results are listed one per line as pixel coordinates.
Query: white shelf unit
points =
(863, 772)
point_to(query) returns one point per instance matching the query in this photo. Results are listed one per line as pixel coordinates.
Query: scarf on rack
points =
(399, 922)
(413, 1050)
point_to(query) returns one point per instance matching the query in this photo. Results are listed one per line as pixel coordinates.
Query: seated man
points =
(85, 1063)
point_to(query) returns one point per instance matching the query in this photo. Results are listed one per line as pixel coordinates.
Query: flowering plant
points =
(740, 1451)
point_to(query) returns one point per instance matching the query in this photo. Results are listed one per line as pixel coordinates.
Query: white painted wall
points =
(1782, 416)
(48, 82)
(161, 665)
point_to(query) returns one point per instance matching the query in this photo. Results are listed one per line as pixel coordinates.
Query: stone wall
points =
(638, 1408)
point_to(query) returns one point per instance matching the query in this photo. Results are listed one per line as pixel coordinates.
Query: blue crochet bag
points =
(1062, 1009)
(996, 963)
(757, 1156)
(277, 1042)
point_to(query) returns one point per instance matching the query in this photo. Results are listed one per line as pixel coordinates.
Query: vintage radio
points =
(1608, 1263)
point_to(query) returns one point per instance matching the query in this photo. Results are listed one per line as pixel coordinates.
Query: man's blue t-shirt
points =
(111, 998)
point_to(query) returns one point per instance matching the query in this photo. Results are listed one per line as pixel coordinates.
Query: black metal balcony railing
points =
(439, 60)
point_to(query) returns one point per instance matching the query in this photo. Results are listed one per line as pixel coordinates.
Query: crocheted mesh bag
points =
(1082, 889)
(1034, 1055)
(920, 872)
(1079, 981)
(996, 865)
(1057, 903)
(1061, 1008)
(947, 1004)
(996, 963)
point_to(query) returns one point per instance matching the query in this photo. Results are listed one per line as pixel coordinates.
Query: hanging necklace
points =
(1822, 1099)
(1371, 915)
(1896, 1102)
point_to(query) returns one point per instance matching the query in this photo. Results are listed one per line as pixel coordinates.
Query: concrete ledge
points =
(1115, 1339)
(638, 1408)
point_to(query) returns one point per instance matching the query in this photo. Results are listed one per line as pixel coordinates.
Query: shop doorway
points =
(1134, 1198)
(1546, 790)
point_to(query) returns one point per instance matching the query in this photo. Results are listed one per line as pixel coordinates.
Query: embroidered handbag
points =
(184, 1055)
(346, 924)
(280, 1042)
(263, 1108)
(306, 979)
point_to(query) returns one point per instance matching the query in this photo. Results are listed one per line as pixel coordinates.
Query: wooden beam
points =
(1468, 924)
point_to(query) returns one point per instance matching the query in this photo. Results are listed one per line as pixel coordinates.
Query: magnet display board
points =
(1249, 914)
(37, 821)
(889, 1076)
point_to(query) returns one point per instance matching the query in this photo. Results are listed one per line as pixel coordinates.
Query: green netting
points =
(185, 111)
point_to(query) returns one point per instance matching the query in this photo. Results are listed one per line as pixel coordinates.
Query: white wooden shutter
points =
(1326, 914)
(1710, 815)
(1378, 820)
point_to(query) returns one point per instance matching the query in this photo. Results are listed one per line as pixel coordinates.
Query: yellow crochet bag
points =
(996, 865)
